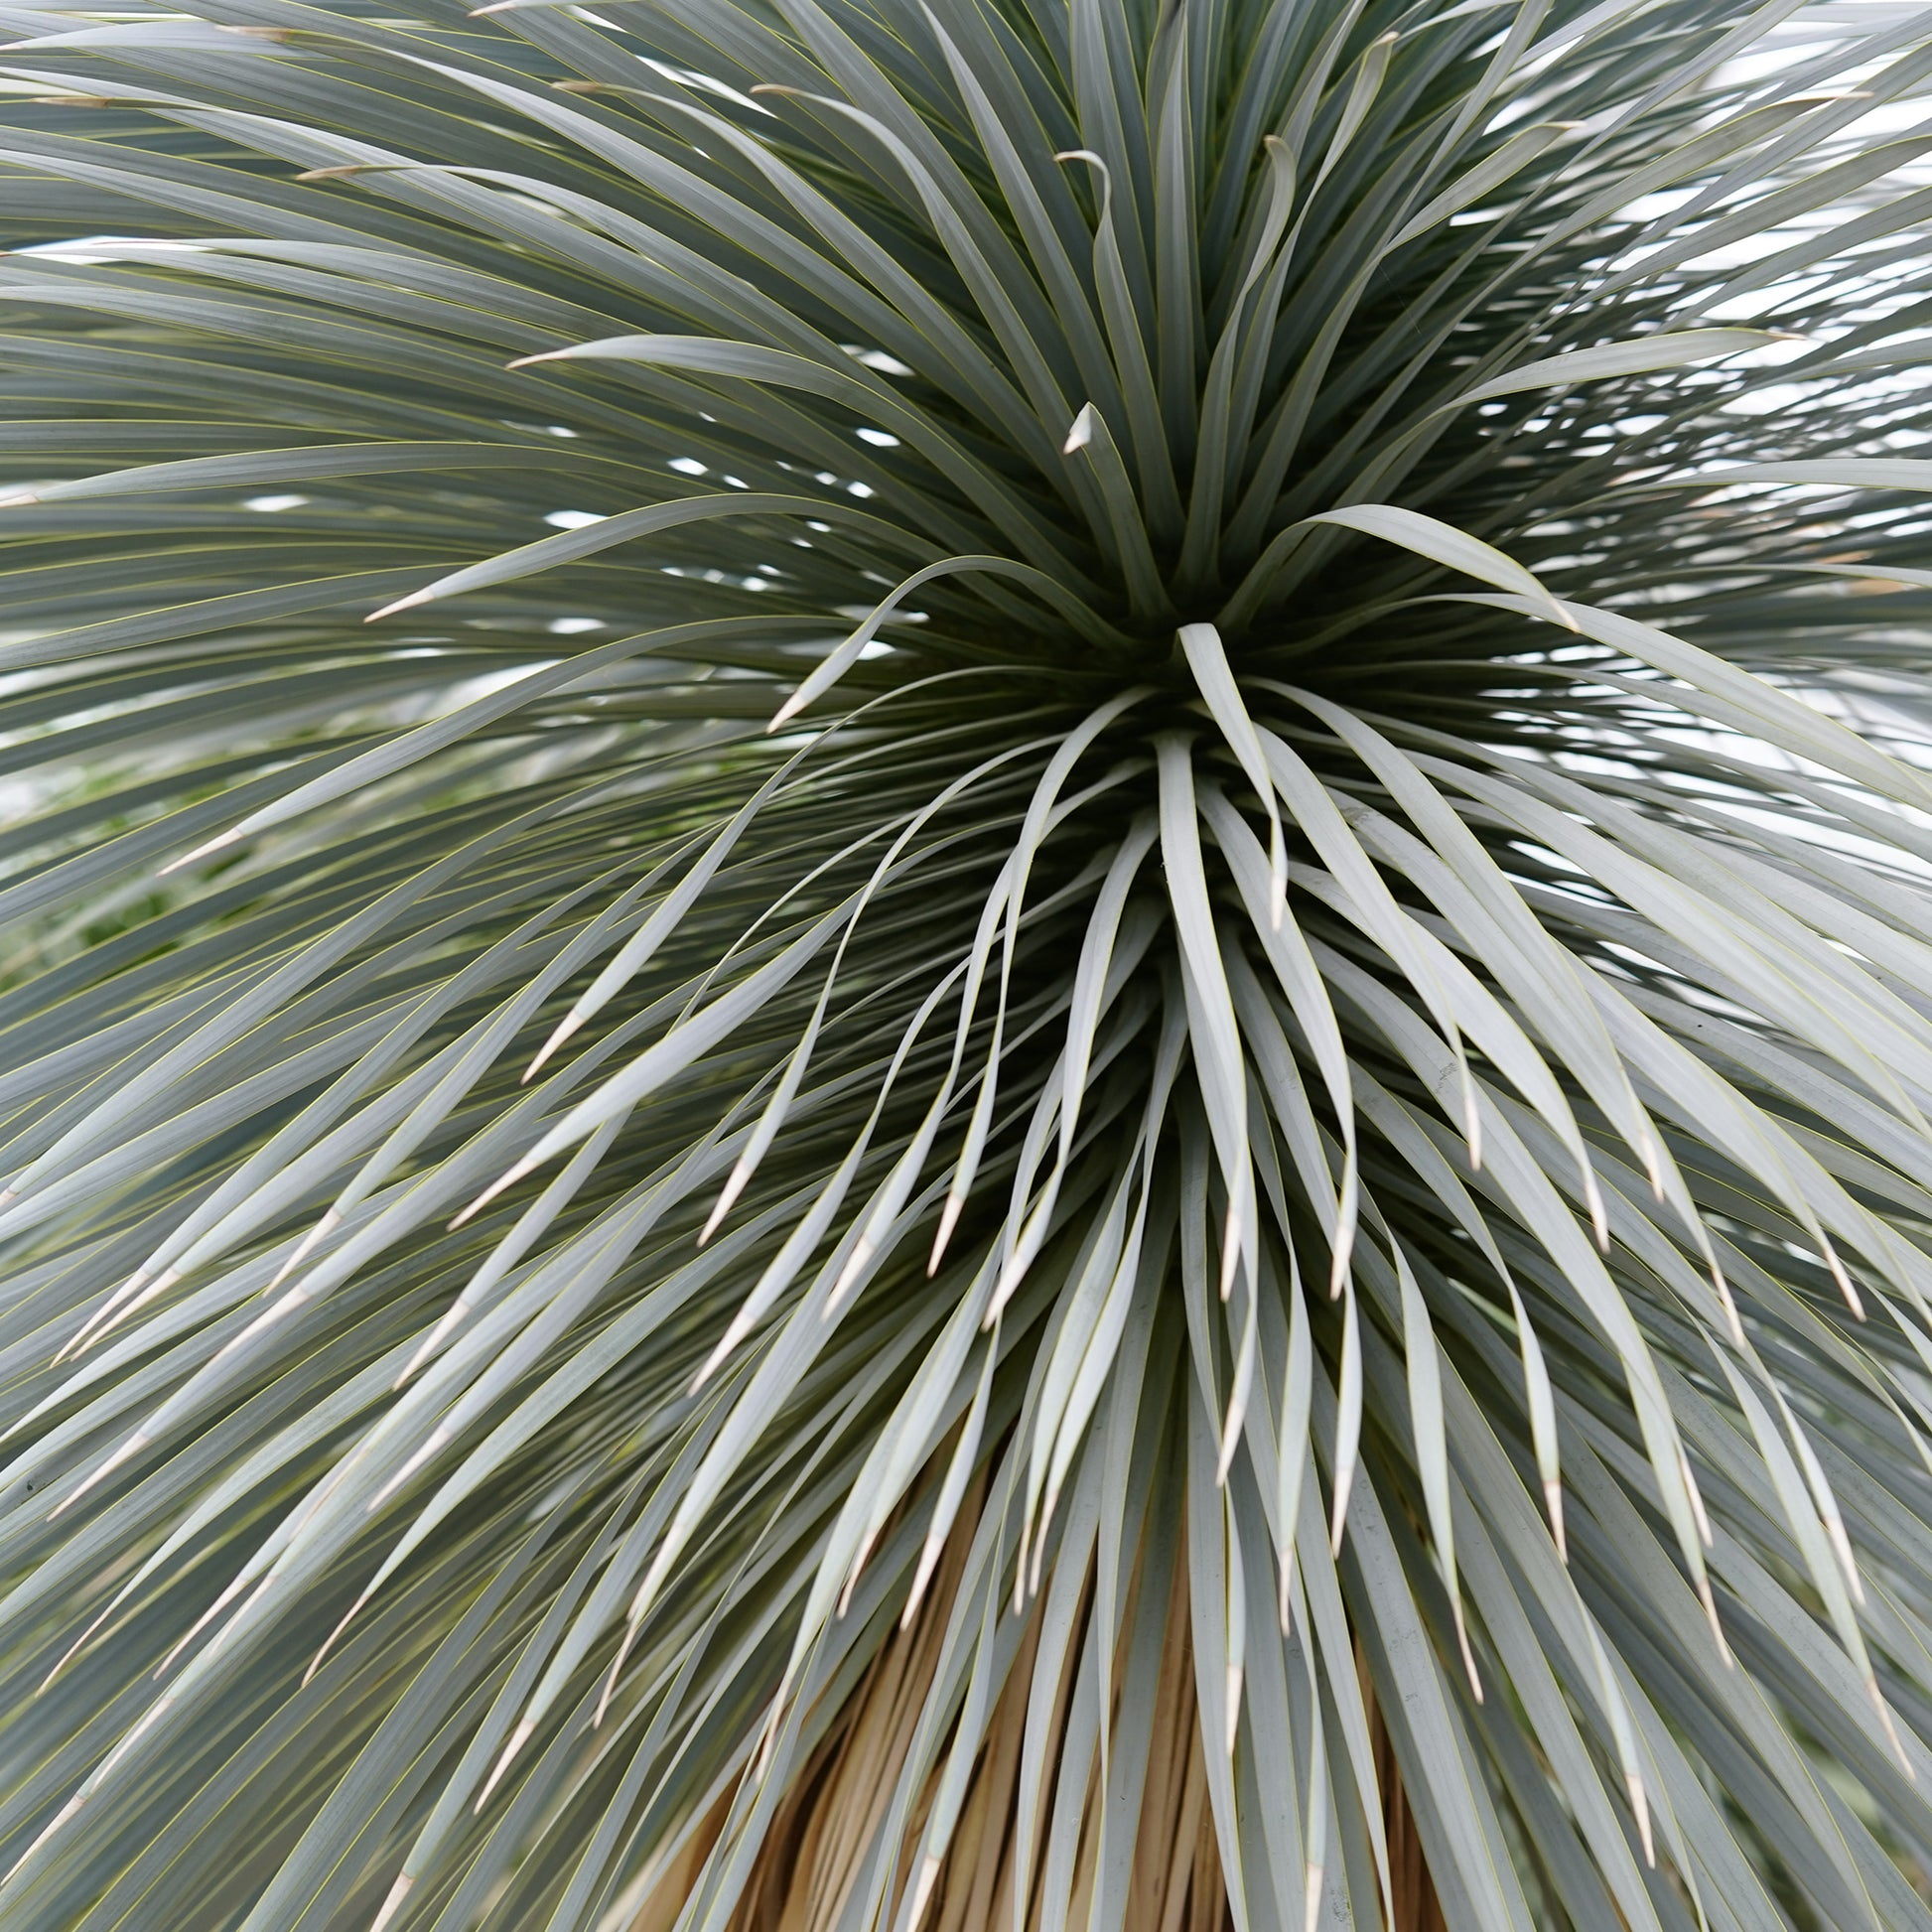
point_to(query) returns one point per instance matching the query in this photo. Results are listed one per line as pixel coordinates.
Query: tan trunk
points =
(816, 1846)
(815, 1849)
(1412, 1905)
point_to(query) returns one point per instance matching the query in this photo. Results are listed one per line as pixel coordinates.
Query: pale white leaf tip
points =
(948, 1220)
(508, 1178)
(1469, 1656)
(203, 851)
(1081, 433)
(546, 355)
(394, 1902)
(60, 1818)
(922, 1892)
(1710, 1604)
(14, 498)
(408, 603)
(518, 1739)
(786, 712)
(563, 1030)
(1853, 1300)
(928, 1559)
(735, 1185)
(1230, 1441)
(1897, 1743)
(130, 1448)
(427, 1345)
(616, 1671)
(856, 1571)
(1338, 1517)
(1641, 1806)
(118, 1311)
(712, 1362)
(854, 1267)
(328, 1642)
(326, 1226)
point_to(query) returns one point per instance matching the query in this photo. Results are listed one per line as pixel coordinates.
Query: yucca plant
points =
(969, 965)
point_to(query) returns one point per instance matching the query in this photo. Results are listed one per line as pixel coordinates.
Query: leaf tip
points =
(408, 603)
(928, 1878)
(508, 1178)
(518, 1739)
(203, 850)
(393, 1903)
(786, 712)
(564, 1028)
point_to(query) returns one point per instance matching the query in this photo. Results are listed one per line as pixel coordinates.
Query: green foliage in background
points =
(1103, 819)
